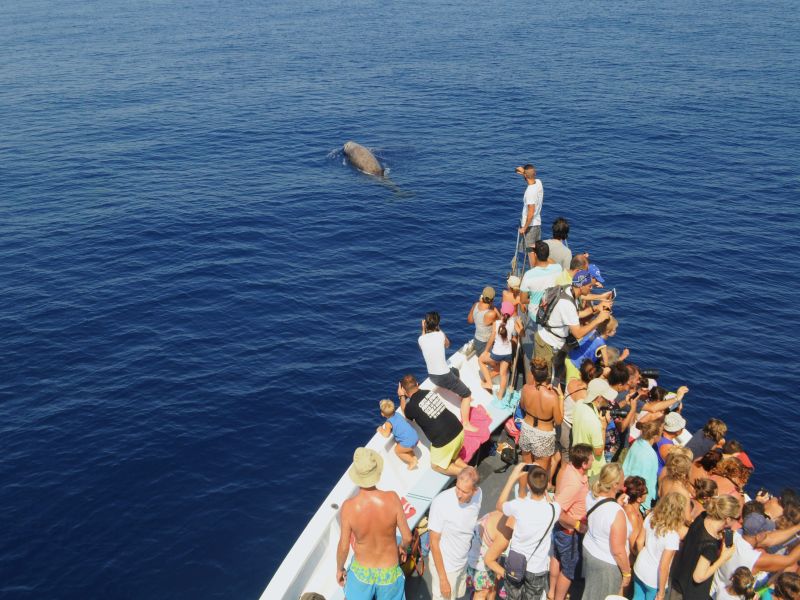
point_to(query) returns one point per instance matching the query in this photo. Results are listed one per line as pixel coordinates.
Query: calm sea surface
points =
(202, 304)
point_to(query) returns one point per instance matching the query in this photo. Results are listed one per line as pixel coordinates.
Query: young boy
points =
(404, 434)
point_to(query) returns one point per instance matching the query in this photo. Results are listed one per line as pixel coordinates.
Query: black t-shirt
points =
(698, 542)
(430, 412)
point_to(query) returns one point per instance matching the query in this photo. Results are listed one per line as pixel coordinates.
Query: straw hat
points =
(367, 467)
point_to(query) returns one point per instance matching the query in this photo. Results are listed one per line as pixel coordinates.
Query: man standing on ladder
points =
(531, 223)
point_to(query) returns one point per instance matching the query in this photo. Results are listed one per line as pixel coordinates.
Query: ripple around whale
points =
(198, 298)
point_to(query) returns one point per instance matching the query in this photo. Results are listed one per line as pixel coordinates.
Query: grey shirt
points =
(560, 253)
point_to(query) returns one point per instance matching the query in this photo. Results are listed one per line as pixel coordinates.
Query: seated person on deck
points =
(429, 410)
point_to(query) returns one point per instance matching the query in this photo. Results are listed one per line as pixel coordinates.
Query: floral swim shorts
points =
(480, 580)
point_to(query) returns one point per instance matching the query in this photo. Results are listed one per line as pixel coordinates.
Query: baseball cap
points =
(488, 293)
(599, 387)
(507, 308)
(594, 271)
(514, 282)
(581, 278)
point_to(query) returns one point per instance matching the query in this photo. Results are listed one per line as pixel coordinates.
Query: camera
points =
(649, 373)
(616, 412)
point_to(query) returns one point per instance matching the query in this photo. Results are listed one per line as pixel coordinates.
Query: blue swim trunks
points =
(364, 583)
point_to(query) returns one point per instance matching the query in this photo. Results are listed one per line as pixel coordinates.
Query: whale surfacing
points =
(362, 159)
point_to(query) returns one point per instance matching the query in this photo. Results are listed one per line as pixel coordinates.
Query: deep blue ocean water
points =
(202, 304)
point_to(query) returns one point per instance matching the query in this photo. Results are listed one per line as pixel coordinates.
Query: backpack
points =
(548, 303)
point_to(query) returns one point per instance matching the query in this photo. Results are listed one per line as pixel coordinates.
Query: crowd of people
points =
(611, 497)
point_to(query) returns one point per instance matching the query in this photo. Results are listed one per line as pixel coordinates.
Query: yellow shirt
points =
(587, 428)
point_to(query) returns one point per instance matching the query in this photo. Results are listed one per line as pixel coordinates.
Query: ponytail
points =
(743, 583)
(503, 330)
(722, 507)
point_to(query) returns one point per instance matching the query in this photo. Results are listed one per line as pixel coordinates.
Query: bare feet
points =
(413, 464)
(469, 427)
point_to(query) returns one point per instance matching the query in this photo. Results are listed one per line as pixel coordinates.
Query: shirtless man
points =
(371, 517)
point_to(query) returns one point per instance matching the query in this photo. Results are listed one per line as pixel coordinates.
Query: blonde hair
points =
(723, 507)
(678, 467)
(609, 479)
(387, 408)
(669, 513)
(682, 450)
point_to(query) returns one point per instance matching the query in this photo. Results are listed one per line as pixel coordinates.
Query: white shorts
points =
(457, 579)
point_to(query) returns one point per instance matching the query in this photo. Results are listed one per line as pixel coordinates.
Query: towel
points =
(473, 439)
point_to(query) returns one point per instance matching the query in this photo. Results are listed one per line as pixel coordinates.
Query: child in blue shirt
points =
(404, 434)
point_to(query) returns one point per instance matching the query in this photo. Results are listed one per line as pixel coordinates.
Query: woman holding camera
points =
(704, 550)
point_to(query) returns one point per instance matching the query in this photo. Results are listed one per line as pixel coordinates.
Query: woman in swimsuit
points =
(635, 489)
(544, 409)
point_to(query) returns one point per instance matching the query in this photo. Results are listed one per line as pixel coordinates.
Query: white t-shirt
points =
(536, 281)
(534, 194)
(432, 345)
(744, 555)
(564, 314)
(646, 567)
(500, 347)
(597, 540)
(532, 518)
(456, 523)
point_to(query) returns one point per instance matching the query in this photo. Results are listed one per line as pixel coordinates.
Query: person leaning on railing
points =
(564, 320)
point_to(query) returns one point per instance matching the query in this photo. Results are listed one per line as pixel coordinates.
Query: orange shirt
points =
(571, 489)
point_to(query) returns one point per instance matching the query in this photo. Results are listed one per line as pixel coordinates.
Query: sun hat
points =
(594, 271)
(599, 387)
(673, 423)
(507, 308)
(366, 468)
(514, 282)
(488, 293)
(581, 278)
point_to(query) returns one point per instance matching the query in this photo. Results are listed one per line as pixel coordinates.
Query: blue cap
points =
(595, 272)
(582, 278)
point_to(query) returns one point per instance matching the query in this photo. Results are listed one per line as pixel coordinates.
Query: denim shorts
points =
(501, 357)
(567, 551)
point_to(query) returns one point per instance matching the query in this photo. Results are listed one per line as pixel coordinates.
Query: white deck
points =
(311, 563)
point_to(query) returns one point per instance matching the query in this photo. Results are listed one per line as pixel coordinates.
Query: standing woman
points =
(606, 562)
(635, 489)
(482, 314)
(500, 349)
(642, 459)
(703, 551)
(480, 578)
(544, 409)
(658, 542)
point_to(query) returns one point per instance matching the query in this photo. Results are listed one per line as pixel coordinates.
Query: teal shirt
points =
(642, 460)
